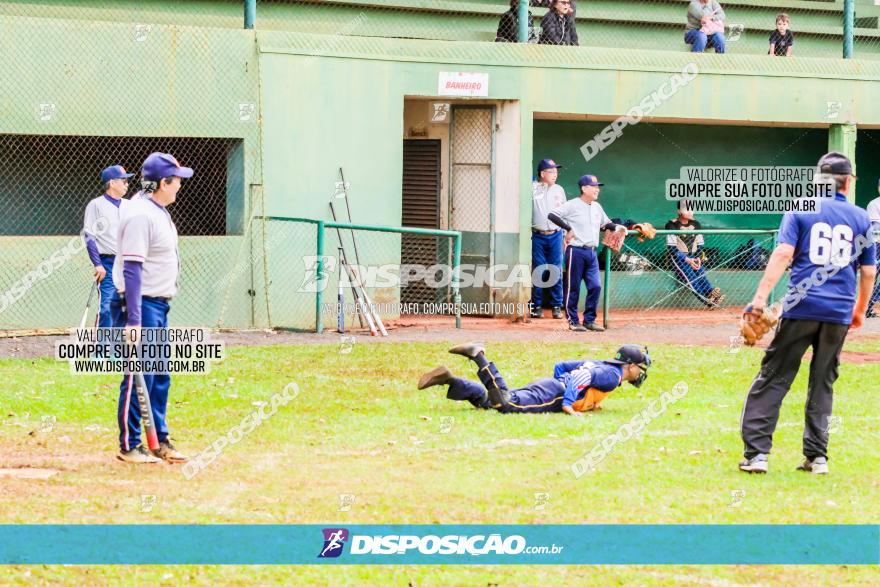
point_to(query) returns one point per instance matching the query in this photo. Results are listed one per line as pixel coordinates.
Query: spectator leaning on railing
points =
(781, 39)
(557, 26)
(705, 26)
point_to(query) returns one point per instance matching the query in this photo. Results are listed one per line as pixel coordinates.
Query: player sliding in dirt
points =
(576, 386)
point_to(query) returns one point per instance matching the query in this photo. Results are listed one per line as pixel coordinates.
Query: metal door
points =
(472, 197)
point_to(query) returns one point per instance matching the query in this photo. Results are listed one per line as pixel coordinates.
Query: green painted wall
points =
(867, 165)
(636, 166)
(104, 80)
(321, 102)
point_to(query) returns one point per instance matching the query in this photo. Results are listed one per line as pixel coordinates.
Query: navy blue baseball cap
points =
(590, 180)
(546, 164)
(835, 163)
(161, 165)
(114, 172)
(631, 354)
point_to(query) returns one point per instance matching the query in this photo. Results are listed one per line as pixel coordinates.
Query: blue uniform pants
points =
(108, 293)
(542, 395)
(699, 41)
(154, 314)
(547, 250)
(695, 280)
(581, 265)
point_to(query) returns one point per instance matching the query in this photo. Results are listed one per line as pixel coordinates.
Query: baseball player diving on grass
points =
(832, 272)
(576, 386)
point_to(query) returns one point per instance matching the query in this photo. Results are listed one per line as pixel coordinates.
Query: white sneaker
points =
(818, 466)
(756, 464)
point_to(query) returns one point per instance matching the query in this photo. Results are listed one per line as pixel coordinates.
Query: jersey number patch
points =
(831, 245)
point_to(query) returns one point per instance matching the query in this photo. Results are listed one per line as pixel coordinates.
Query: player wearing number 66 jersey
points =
(827, 250)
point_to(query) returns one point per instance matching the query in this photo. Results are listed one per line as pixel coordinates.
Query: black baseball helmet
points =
(633, 354)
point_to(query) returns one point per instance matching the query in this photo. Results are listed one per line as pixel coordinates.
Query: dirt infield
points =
(680, 327)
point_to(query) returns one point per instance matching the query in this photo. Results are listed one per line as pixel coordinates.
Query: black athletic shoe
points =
(468, 349)
(537, 313)
(558, 313)
(439, 376)
(594, 327)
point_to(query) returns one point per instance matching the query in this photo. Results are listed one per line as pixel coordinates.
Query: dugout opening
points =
(46, 181)
(461, 172)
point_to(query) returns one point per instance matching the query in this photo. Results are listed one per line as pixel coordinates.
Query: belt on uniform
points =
(591, 247)
(157, 298)
(544, 232)
(107, 256)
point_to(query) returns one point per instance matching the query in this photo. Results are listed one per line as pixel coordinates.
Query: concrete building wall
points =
(324, 102)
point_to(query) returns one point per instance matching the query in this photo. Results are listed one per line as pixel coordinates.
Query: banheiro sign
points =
(474, 85)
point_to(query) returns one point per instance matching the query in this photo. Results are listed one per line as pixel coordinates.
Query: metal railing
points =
(322, 226)
(650, 277)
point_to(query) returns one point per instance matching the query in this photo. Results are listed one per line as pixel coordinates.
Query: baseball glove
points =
(755, 323)
(613, 239)
(645, 230)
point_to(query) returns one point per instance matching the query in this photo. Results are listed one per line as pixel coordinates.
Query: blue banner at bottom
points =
(440, 544)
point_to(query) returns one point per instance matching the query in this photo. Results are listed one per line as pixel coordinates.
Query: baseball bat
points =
(357, 289)
(357, 257)
(82, 322)
(340, 300)
(146, 409)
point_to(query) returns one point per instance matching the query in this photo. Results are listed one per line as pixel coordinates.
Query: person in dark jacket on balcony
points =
(557, 26)
(508, 26)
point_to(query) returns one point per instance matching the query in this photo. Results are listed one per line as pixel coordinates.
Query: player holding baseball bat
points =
(146, 274)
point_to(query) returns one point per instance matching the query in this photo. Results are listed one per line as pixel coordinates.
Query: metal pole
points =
(849, 18)
(606, 288)
(456, 269)
(319, 325)
(771, 299)
(522, 20)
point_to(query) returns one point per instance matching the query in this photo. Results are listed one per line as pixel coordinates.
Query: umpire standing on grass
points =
(826, 250)
(547, 237)
(146, 274)
(100, 225)
(584, 220)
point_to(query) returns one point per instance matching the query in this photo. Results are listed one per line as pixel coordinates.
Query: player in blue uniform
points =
(576, 386)
(826, 250)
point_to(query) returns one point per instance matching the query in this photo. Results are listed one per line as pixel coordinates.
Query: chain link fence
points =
(655, 25)
(308, 266)
(107, 83)
(88, 85)
(688, 271)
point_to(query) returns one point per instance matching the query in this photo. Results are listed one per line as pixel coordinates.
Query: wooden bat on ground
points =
(148, 426)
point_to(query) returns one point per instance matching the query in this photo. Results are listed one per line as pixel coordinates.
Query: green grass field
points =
(360, 427)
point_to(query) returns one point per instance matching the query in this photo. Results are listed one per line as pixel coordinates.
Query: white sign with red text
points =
(475, 85)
